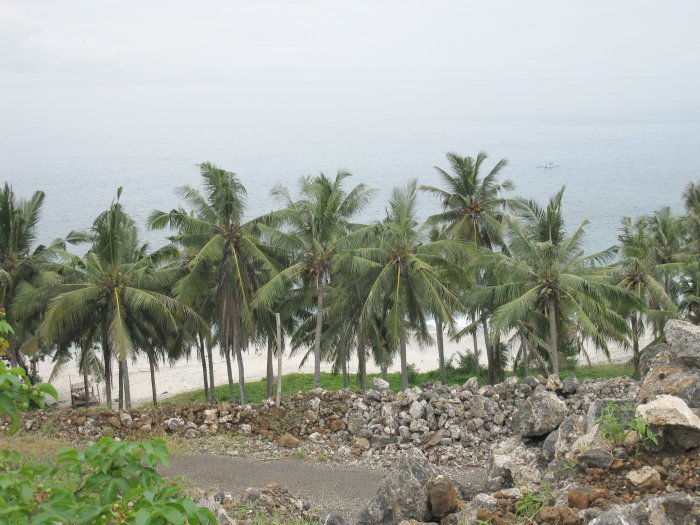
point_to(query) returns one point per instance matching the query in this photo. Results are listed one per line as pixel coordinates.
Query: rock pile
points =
(462, 423)
(269, 504)
(593, 458)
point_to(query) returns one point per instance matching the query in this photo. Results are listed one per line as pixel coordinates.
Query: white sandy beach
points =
(187, 375)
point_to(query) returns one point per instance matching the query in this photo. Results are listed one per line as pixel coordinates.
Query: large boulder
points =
(678, 423)
(402, 494)
(676, 508)
(675, 370)
(512, 464)
(539, 414)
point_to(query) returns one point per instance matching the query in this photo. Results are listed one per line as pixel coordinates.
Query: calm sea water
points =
(80, 149)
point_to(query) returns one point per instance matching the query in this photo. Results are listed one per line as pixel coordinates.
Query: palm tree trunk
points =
(270, 369)
(120, 379)
(489, 354)
(212, 388)
(635, 345)
(384, 371)
(319, 328)
(361, 363)
(127, 387)
(152, 368)
(227, 353)
(553, 350)
(404, 364)
(441, 350)
(202, 353)
(85, 386)
(241, 375)
(475, 342)
(344, 367)
(107, 356)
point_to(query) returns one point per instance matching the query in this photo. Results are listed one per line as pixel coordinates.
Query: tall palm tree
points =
(19, 258)
(668, 246)
(229, 257)
(314, 229)
(638, 273)
(472, 204)
(405, 275)
(473, 211)
(551, 281)
(113, 289)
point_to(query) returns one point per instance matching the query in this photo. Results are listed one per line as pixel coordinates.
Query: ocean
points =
(80, 148)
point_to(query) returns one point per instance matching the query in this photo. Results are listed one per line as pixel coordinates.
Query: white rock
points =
(643, 476)
(417, 410)
(380, 385)
(126, 419)
(668, 411)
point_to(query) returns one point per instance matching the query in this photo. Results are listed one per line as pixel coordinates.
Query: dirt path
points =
(333, 487)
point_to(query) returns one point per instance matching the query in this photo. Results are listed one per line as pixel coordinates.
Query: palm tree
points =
(19, 259)
(314, 229)
(405, 275)
(472, 205)
(638, 273)
(551, 280)
(113, 290)
(228, 262)
(668, 236)
(473, 211)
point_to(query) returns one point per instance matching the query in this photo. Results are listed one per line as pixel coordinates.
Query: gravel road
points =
(334, 487)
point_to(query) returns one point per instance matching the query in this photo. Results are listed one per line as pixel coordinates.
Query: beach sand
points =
(186, 375)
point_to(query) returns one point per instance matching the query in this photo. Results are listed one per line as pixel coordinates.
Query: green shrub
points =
(16, 394)
(614, 422)
(110, 482)
(412, 373)
(466, 364)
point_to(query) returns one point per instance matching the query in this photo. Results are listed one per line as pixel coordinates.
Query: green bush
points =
(615, 420)
(466, 364)
(110, 482)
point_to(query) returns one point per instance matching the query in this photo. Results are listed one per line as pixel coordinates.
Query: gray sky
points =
(636, 56)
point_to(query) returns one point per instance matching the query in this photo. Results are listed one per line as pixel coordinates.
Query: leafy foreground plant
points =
(110, 482)
(531, 503)
(614, 427)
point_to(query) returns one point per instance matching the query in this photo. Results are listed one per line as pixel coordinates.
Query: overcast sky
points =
(632, 53)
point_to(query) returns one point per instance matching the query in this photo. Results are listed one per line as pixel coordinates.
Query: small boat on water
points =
(550, 165)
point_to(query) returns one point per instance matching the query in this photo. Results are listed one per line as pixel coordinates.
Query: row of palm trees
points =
(343, 289)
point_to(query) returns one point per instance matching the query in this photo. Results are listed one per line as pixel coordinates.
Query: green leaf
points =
(172, 514)
(143, 517)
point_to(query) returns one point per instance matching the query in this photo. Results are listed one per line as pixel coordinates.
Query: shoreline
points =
(185, 375)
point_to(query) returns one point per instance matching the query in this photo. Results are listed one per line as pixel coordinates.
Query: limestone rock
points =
(380, 385)
(512, 463)
(676, 508)
(287, 441)
(401, 495)
(596, 458)
(443, 497)
(174, 423)
(675, 370)
(126, 419)
(680, 426)
(684, 338)
(539, 414)
(644, 476)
